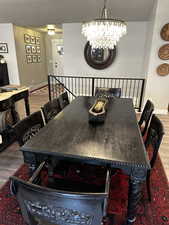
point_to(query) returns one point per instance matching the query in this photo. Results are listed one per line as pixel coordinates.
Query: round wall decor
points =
(163, 52)
(99, 58)
(163, 69)
(165, 32)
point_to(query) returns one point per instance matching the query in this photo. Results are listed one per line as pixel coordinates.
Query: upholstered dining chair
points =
(51, 109)
(145, 117)
(110, 92)
(43, 205)
(28, 127)
(63, 100)
(153, 140)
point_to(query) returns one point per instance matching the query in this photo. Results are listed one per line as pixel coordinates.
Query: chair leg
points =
(148, 186)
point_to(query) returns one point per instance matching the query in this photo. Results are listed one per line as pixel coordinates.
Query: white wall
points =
(129, 61)
(7, 36)
(157, 88)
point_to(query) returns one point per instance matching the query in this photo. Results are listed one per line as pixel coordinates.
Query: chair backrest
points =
(63, 100)
(42, 205)
(145, 116)
(28, 127)
(51, 109)
(109, 92)
(154, 137)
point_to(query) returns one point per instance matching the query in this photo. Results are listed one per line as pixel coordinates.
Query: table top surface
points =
(117, 141)
(9, 94)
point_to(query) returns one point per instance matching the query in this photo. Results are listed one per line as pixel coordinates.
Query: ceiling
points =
(41, 12)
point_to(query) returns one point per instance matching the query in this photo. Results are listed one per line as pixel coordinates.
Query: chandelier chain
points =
(105, 3)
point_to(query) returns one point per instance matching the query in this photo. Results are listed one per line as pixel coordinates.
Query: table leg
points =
(26, 99)
(14, 114)
(137, 177)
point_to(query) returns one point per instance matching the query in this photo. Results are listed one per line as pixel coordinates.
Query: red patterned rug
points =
(154, 213)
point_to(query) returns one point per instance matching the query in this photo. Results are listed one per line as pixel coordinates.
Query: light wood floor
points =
(10, 160)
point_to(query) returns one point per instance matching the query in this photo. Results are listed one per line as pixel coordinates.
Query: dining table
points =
(114, 143)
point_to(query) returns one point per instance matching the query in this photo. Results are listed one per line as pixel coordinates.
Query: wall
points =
(129, 61)
(31, 74)
(7, 36)
(157, 88)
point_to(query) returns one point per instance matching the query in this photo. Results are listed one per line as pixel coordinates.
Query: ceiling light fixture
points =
(51, 29)
(104, 32)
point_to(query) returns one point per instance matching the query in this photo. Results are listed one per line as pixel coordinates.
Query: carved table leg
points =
(26, 99)
(137, 177)
(14, 114)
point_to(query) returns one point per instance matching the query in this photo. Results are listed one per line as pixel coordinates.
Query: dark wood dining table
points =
(116, 143)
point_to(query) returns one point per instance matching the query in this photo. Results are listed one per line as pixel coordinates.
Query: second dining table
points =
(116, 143)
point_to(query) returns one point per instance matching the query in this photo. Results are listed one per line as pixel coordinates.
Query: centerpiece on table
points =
(97, 112)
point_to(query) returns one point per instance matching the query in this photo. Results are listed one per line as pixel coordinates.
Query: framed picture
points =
(38, 59)
(33, 49)
(29, 59)
(34, 58)
(38, 40)
(28, 49)
(38, 49)
(33, 40)
(3, 48)
(27, 38)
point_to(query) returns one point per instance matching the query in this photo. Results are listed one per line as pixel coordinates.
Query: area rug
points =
(154, 213)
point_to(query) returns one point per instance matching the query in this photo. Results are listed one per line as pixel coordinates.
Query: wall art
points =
(27, 38)
(38, 49)
(163, 52)
(163, 69)
(34, 59)
(3, 48)
(33, 49)
(165, 32)
(28, 49)
(38, 40)
(33, 39)
(29, 59)
(38, 59)
(99, 58)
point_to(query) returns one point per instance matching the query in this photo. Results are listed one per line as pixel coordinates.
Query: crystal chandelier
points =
(104, 32)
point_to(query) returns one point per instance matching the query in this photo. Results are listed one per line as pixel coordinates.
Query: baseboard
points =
(38, 86)
(161, 111)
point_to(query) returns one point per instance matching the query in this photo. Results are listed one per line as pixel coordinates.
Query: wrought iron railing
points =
(77, 86)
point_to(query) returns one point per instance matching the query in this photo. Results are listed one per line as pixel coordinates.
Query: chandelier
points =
(104, 32)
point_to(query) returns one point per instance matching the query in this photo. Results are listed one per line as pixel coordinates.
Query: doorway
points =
(57, 57)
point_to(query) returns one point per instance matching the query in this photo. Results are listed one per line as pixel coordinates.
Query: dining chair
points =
(152, 143)
(44, 205)
(51, 109)
(145, 116)
(28, 127)
(109, 92)
(63, 100)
